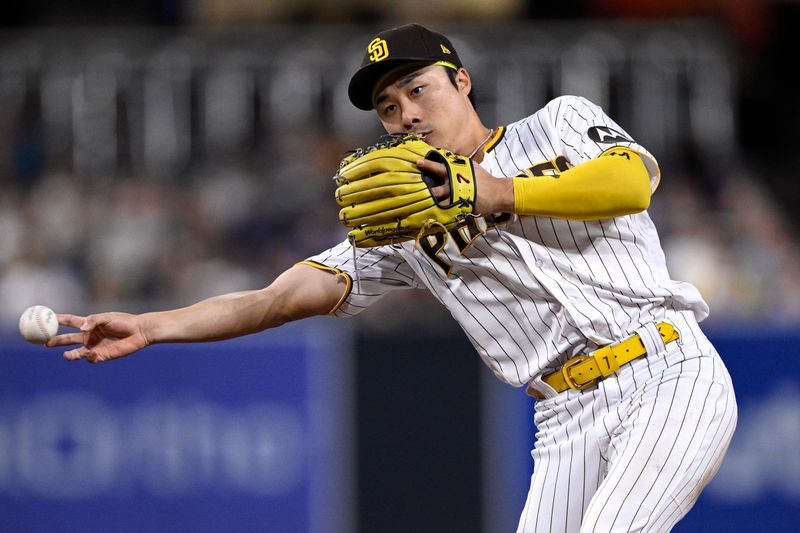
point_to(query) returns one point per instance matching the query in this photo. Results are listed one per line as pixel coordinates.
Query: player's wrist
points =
(504, 195)
(151, 327)
(494, 195)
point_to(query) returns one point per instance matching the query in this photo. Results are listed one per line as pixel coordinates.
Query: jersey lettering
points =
(465, 233)
(551, 168)
(434, 240)
(498, 218)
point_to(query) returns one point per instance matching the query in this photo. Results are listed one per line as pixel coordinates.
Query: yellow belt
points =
(583, 371)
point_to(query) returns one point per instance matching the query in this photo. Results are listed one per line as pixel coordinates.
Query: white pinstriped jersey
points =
(530, 292)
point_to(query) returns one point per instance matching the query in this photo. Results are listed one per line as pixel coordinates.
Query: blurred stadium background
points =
(155, 153)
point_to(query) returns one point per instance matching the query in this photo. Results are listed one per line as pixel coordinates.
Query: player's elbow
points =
(302, 291)
(627, 201)
(639, 195)
(627, 176)
(632, 185)
(281, 307)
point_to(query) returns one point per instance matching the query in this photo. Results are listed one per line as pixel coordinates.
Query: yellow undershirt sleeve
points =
(616, 183)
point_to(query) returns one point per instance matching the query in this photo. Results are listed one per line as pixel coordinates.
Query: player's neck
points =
(479, 140)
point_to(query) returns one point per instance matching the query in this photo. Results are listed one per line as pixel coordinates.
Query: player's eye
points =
(417, 89)
(388, 109)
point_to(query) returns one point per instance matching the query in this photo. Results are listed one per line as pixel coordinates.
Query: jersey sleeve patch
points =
(607, 135)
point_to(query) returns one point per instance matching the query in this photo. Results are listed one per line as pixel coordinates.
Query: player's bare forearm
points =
(221, 317)
(300, 292)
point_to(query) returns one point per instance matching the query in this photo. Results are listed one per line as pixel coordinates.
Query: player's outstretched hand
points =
(104, 336)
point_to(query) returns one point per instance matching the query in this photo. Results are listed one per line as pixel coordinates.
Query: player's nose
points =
(411, 117)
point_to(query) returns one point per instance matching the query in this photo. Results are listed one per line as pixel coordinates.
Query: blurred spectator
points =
(31, 273)
(226, 12)
(748, 20)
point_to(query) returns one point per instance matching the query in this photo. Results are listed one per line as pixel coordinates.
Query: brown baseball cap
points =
(393, 48)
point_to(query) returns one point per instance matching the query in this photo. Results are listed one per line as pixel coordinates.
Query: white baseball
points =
(38, 324)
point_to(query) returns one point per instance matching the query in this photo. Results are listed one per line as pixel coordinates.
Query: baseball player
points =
(557, 278)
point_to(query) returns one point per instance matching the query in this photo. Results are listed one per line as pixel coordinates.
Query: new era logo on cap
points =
(393, 48)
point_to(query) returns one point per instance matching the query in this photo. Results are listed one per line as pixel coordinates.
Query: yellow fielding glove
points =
(386, 198)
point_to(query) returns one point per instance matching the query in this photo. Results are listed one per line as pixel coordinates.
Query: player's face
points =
(427, 103)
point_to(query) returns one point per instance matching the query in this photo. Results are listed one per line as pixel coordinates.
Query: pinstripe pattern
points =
(534, 291)
(637, 452)
(632, 453)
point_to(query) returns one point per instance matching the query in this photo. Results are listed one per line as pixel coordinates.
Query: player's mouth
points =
(422, 134)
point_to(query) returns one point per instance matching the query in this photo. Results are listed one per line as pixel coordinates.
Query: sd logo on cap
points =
(395, 47)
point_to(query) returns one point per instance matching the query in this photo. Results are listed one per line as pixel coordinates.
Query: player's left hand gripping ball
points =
(386, 198)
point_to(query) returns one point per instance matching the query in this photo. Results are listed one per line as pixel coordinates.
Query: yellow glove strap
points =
(616, 183)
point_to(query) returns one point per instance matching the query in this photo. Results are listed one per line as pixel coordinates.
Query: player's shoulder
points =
(558, 109)
(569, 105)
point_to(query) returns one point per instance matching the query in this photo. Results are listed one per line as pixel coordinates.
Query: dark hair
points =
(451, 74)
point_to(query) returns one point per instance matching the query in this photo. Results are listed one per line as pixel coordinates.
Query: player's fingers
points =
(441, 193)
(99, 356)
(432, 167)
(72, 321)
(76, 354)
(92, 321)
(65, 339)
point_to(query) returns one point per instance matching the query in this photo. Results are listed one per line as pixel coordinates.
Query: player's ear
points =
(463, 81)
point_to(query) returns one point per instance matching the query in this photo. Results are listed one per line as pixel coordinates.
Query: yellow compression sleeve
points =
(616, 183)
